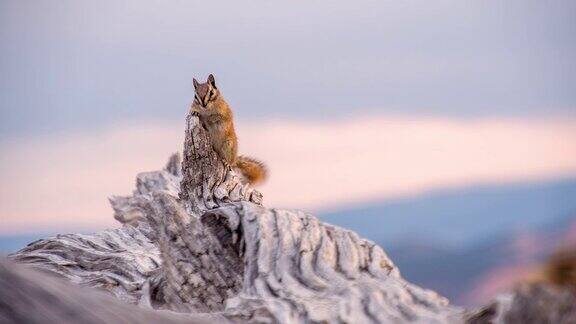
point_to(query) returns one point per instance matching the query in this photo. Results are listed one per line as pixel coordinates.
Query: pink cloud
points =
(62, 181)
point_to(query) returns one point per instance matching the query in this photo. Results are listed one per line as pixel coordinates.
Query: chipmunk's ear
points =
(212, 81)
(195, 83)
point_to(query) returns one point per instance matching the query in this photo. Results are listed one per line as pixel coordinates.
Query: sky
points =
(345, 101)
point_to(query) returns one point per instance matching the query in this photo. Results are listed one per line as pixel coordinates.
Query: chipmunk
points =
(216, 117)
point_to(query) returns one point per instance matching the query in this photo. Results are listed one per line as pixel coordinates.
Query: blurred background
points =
(445, 131)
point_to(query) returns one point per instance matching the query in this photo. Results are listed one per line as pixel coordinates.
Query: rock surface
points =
(530, 303)
(549, 296)
(197, 240)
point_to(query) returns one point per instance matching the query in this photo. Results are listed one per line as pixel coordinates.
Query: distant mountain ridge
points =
(471, 276)
(461, 217)
(467, 243)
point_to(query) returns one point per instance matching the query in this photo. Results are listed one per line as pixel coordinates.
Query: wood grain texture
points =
(32, 297)
(197, 240)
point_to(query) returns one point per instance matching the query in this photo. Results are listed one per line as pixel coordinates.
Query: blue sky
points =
(76, 64)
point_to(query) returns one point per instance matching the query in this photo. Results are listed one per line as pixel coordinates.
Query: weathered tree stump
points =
(197, 240)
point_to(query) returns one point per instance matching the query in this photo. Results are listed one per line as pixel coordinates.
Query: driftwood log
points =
(197, 240)
(31, 297)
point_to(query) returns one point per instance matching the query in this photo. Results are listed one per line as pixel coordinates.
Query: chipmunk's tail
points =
(253, 170)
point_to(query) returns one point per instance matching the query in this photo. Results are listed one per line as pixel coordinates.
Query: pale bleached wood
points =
(32, 297)
(199, 241)
(206, 182)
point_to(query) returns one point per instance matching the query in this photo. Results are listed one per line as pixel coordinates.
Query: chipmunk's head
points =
(205, 92)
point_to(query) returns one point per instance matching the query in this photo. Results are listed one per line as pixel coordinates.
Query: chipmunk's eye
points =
(212, 94)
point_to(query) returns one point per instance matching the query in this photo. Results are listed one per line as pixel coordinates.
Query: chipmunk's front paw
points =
(195, 113)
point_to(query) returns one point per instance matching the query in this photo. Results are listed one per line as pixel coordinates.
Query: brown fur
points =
(216, 117)
(254, 170)
(561, 268)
